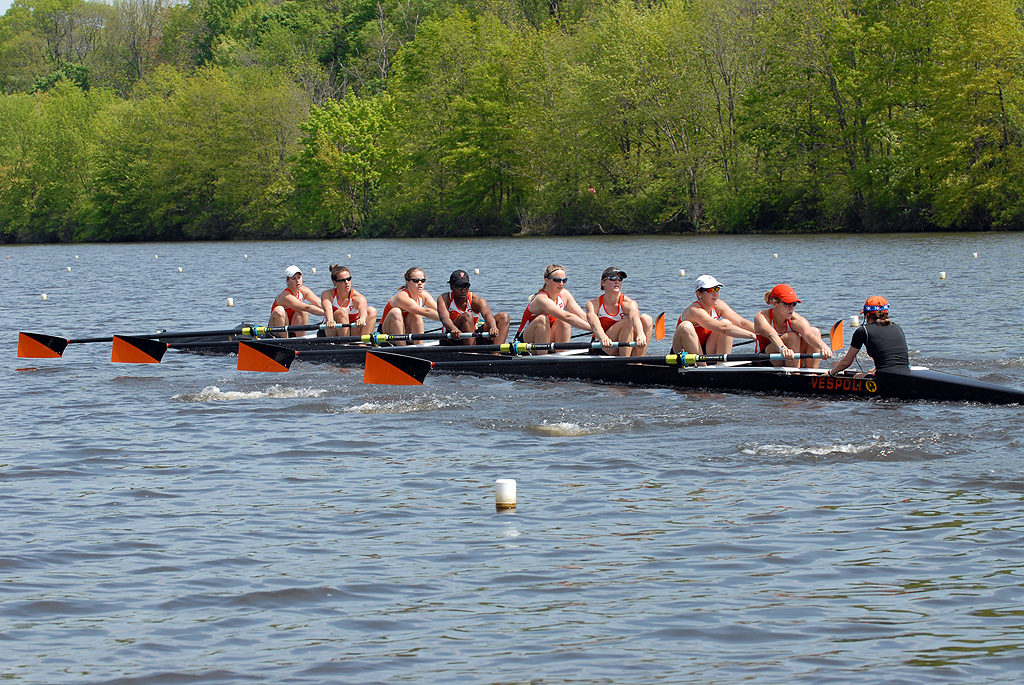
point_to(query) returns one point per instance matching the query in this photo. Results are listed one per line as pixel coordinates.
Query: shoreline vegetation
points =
(163, 120)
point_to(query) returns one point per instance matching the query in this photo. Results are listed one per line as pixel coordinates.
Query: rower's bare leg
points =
(538, 331)
(648, 323)
(504, 321)
(371, 323)
(414, 324)
(685, 339)
(299, 319)
(340, 316)
(718, 343)
(393, 324)
(278, 318)
(805, 348)
(794, 343)
(465, 323)
(622, 332)
(561, 332)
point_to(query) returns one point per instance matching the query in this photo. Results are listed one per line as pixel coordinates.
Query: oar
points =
(659, 329)
(43, 346)
(388, 368)
(265, 356)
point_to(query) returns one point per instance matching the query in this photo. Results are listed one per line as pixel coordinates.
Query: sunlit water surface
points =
(187, 522)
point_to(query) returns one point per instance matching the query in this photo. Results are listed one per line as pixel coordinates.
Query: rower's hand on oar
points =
(605, 340)
(786, 352)
(329, 323)
(641, 339)
(826, 353)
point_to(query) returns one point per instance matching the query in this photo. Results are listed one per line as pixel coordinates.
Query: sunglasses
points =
(342, 280)
(559, 280)
(613, 278)
(715, 289)
(464, 286)
(417, 280)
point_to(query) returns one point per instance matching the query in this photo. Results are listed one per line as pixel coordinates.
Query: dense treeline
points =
(150, 120)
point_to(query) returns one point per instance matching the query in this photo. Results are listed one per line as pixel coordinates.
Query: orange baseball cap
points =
(785, 293)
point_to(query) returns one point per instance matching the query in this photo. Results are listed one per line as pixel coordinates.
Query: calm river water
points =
(187, 522)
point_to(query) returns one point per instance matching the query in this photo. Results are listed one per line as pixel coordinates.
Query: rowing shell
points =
(920, 383)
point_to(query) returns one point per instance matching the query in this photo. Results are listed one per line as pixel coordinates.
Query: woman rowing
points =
(294, 304)
(614, 317)
(552, 312)
(348, 305)
(460, 310)
(886, 343)
(780, 330)
(405, 311)
(709, 325)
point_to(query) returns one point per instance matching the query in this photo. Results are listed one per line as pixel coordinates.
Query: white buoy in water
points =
(349, 256)
(975, 255)
(245, 256)
(156, 256)
(775, 255)
(682, 272)
(179, 269)
(44, 295)
(76, 256)
(942, 275)
(231, 302)
(476, 271)
(505, 493)
(313, 269)
(69, 269)
(854, 320)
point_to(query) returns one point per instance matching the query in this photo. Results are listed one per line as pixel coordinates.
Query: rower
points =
(405, 311)
(294, 304)
(460, 310)
(552, 312)
(348, 305)
(779, 329)
(709, 325)
(886, 342)
(615, 317)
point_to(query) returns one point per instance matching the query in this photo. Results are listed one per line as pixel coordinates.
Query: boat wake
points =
(399, 407)
(212, 393)
(566, 429)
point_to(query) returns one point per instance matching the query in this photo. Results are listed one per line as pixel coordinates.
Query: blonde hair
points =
(551, 268)
(769, 300)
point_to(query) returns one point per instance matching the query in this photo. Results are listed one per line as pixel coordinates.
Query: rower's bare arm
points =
(595, 323)
(361, 306)
(727, 312)
(847, 359)
(573, 313)
(327, 306)
(633, 312)
(481, 307)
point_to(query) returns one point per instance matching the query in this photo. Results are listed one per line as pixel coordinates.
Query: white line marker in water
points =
(775, 255)
(69, 269)
(476, 271)
(313, 269)
(44, 295)
(179, 269)
(682, 272)
(854, 320)
(231, 302)
(975, 255)
(505, 493)
(942, 275)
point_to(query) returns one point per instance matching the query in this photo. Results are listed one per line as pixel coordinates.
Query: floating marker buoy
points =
(245, 256)
(854, 320)
(775, 255)
(313, 269)
(975, 255)
(505, 493)
(179, 269)
(942, 275)
(476, 271)
(231, 302)
(156, 256)
(76, 256)
(349, 256)
(69, 269)
(682, 272)
(44, 296)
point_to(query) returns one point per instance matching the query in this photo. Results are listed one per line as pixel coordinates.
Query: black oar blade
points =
(131, 350)
(383, 368)
(40, 346)
(257, 356)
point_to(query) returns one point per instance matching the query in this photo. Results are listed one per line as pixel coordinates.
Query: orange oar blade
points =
(659, 327)
(835, 336)
(129, 350)
(40, 346)
(255, 356)
(382, 368)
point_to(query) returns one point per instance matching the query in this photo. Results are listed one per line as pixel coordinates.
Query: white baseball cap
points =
(704, 282)
(291, 271)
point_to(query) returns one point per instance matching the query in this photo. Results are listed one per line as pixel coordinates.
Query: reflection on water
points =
(189, 522)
